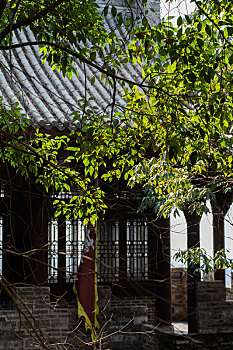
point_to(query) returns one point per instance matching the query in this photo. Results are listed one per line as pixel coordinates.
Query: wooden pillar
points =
(162, 278)
(25, 234)
(220, 207)
(122, 252)
(41, 212)
(193, 241)
(62, 254)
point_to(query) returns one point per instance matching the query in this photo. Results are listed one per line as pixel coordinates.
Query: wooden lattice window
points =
(108, 252)
(65, 242)
(75, 236)
(123, 250)
(137, 249)
(53, 251)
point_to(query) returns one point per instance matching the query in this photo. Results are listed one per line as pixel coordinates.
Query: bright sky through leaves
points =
(176, 8)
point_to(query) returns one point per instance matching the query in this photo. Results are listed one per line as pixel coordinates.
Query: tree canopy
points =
(174, 134)
(189, 107)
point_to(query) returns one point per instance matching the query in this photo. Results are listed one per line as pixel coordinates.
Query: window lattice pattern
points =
(64, 195)
(137, 249)
(108, 252)
(111, 244)
(53, 251)
(75, 236)
(74, 240)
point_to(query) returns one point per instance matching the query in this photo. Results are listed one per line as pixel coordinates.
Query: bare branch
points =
(2, 7)
(30, 20)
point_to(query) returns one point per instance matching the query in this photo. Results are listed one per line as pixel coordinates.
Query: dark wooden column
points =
(162, 277)
(40, 204)
(122, 252)
(62, 254)
(193, 241)
(220, 207)
(25, 234)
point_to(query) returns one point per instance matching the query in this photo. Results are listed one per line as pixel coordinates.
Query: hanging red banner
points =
(85, 286)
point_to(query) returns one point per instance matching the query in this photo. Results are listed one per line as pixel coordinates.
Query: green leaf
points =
(230, 60)
(192, 77)
(106, 10)
(179, 21)
(199, 26)
(188, 19)
(214, 166)
(200, 42)
(133, 152)
(114, 11)
(193, 157)
(172, 152)
(86, 161)
(202, 133)
(207, 78)
(103, 76)
(119, 19)
(208, 30)
(73, 149)
(145, 22)
(192, 59)
(230, 31)
(93, 55)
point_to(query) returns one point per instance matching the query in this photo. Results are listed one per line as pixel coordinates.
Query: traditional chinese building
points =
(40, 254)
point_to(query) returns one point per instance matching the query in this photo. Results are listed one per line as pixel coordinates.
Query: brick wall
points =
(126, 323)
(215, 313)
(34, 322)
(179, 294)
(40, 323)
(165, 341)
(123, 320)
(229, 294)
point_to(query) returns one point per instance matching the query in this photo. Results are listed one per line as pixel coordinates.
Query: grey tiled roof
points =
(45, 96)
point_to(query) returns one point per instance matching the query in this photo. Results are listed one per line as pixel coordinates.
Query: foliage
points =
(100, 153)
(188, 107)
(67, 31)
(174, 136)
(199, 260)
